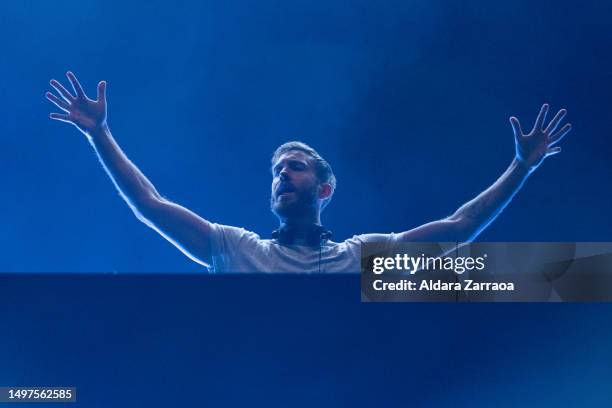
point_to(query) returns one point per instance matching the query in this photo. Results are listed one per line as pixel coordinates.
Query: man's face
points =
(294, 186)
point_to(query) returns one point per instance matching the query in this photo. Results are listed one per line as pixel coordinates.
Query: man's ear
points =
(325, 191)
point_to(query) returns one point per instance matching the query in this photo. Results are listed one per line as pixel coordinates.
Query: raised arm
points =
(183, 228)
(474, 216)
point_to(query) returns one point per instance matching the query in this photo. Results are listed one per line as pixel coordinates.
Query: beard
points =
(299, 204)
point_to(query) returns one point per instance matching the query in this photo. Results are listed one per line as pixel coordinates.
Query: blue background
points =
(408, 100)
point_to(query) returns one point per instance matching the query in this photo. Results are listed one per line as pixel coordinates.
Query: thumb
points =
(102, 91)
(516, 127)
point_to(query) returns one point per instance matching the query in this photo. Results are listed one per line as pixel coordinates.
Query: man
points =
(303, 184)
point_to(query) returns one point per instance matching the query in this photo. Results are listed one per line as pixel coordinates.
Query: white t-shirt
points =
(238, 250)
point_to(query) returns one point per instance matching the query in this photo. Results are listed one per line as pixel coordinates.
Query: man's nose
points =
(284, 176)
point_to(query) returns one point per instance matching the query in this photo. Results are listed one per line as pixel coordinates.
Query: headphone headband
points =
(317, 234)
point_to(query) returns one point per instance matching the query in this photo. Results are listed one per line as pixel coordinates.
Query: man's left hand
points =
(532, 148)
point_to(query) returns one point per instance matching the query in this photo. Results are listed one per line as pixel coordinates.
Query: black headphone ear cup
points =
(283, 235)
(318, 235)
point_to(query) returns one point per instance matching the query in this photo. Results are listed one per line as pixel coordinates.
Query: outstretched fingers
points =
(552, 151)
(75, 84)
(60, 103)
(555, 122)
(559, 134)
(61, 117)
(539, 123)
(62, 91)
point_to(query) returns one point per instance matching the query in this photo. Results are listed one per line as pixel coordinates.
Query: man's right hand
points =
(184, 229)
(86, 114)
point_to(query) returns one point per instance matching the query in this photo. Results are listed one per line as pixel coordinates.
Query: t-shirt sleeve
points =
(384, 243)
(376, 238)
(227, 243)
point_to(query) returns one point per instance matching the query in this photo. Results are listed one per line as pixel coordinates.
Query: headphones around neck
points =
(315, 237)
